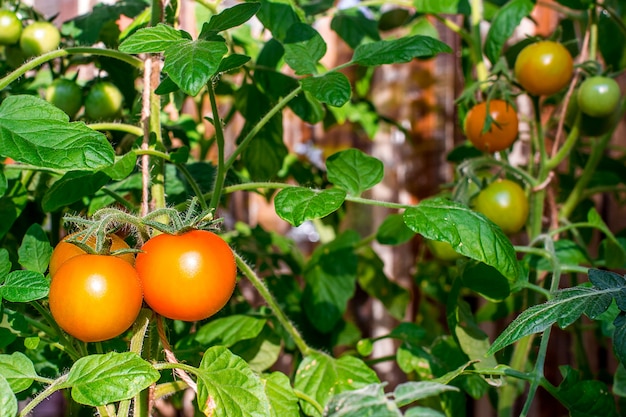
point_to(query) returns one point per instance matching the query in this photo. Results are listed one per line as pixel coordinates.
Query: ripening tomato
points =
(187, 277)
(503, 129)
(65, 250)
(598, 96)
(544, 68)
(95, 297)
(504, 202)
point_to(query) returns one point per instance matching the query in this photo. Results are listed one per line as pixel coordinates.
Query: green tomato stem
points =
(110, 53)
(301, 395)
(273, 304)
(220, 176)
(118, 127)
(52, 388)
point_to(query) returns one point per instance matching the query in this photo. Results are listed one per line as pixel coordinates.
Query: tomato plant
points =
(494, 129)
(505, 203)
(38, 38)
(65, 250)
(188, 277)
(66, 95)
(598, 96)
(10, 27)
(291, 175)
(95, 297)
(544, 68)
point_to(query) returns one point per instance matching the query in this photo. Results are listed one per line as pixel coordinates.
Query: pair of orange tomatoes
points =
(187, 277)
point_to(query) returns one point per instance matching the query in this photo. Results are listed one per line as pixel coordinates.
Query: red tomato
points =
(95, 297)
(544, 68)
(188, 277)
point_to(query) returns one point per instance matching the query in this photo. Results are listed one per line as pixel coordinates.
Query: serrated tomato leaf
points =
(35, 132)
(369, 401)
(18, 370)
(354, 171)
(97, 380)
(35, 250)
(506, 19)
(152, 39)
(227, 331)
(398, 50)
(470, 233)
(283, 400)
(22, 286)
(231, 17)
(298, 204)
(227, 387)
(322, 377)
(8, 401)
(332, 88)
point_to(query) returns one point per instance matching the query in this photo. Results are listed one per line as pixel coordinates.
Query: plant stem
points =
(301, 395)
(118, 127)
(273, 304)
(55, 386)
(257, 127)
(220, 176)
(476, 18)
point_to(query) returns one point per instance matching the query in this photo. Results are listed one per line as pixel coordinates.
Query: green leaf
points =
(283, 401)
(227, 331)
(330, 277)
(232, 62)
(409, 392)
(35, 132)
(354, 171)
(103, 379)
(567, 252)
(619, 381)
(565, 308)
(614, 252)
(393, 231)
(265, 154)
(503, 24)
(122, 167)
(321, 377)
(4, 184)
(232, 17)
(398, 50)
(584, 398)
(619, 337)
(423, 412)
(152, 39)
(486, 281)
(277, 17)
(297, 204)
(5, 264)
(23, 286)
(12, 204)
(410, 333)
(470, 233)
(18, 371)
(304, 47)
(354, 27)
(437, 7)
(369, 401)
(8, 402)
(35, 250)
(191, 64)
(372, 280)
(262, 351)
(73, 186)
(332, 88)
(227, 387)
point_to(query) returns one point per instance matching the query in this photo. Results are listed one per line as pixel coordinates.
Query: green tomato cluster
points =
(21, 43)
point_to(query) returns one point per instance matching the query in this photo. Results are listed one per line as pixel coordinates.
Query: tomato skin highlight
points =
(65, 250)
(544, 68)
(504, 202)
(502, 131)
(39, 38)
(187, 277)
(95, 297)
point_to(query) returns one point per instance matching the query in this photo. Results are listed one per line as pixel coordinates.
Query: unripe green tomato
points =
(590, 125)
(443, 251)
(10, 27)
(365, 347)
(39, 38)
(104, 101)
(66, 95)
(598, 96)
(504, 202)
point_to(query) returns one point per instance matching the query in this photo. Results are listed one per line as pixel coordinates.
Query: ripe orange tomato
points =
(503, 130)
(544, 68)
(95, 297)
(65, 250)
(187, 277)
